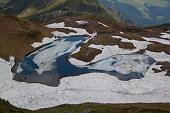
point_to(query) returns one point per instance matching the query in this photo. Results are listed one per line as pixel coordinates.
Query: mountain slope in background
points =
(52, 8)
(142, 13)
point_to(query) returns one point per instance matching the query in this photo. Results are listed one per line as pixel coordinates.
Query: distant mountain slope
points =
(142, 12)
(52, 8)
(26, 8)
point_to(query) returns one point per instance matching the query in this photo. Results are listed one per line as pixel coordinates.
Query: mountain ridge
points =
(34, 9)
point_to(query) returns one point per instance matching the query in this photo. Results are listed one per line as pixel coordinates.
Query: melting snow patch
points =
(103, 24)
(163, 41)
(165, 36)
(56, 25)
(158, 56)
(79, 31)
(121, 32)
(44, 41)
(82, 22)
(138, 44)
(108, 51)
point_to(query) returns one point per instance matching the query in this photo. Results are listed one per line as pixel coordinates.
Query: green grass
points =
(5, 107)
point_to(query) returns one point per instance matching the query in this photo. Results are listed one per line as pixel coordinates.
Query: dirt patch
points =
(132, 36)
(165, 66)
(86, 54)
(159, 47)
(16, 36)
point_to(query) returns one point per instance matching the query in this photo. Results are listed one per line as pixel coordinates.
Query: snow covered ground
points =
(85, 88)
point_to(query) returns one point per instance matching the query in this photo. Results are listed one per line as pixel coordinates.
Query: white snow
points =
(77, 62)
(93, 87)
(138, 44)
(163, 41)
(12, 60)
(165, 36)
(56, 25)
(158, 56)
(44, 41)
(79, 31)
(82, 22)
(121, 32)
(103, 24)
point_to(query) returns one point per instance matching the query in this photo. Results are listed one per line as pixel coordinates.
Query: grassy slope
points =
(5, 107)
(32, 8)
(16, 36)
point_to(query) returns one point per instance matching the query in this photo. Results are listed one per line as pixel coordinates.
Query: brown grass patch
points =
(106, 39)
(132, 36)
(65, 30)
(158, 47)
(86, 54)
(16, 36)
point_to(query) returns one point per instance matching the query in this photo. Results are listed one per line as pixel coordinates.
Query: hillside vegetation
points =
(6, 107)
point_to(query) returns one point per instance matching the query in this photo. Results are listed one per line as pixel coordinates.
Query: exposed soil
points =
(65, 30)
(153, 31)
(86, 54)
(159, 47)
(132, 36)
